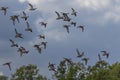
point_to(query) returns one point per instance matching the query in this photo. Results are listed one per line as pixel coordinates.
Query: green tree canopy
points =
(29, 72)
(2, 77)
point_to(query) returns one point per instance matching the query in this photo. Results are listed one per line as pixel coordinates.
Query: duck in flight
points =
(38, 48)
(73, 23)
(43, 24)
(51, 67)
(22, 51)
(68, 60)
(4, 9)
(18, 35)
(81, 27)
(85, 60)
(14, 18)
(105, 53)
(28, 27)
(25, 17)
(8, 64)
(67, 28)
(79, 54)
(44, 44)
(31, 7)
(41, 36)
(73, 12)
(13, 43)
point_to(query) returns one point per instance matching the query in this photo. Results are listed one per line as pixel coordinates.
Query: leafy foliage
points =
(3, 77)
(71, 71)
(29, 72)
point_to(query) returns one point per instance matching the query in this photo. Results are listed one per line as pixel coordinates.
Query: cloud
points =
(94, 4)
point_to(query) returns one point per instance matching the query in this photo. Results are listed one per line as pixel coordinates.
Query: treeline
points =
(69, 70)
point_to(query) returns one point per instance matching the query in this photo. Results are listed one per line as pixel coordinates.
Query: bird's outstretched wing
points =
(15, 30)
(30, 5)
(57, 13)
(11, 40)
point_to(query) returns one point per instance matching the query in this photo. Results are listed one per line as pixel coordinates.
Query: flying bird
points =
(14, 18)
(25, 17)
(4, 9)
(79, 54)
(41, 36)
(85, 60)
(44, 44)
(28, 27)
(43, 24)
(73, 23)
(38, 48)
(8, 64)
(66, 17)
(65, 14)
(31, 7)
(51, 67)
(68, 60)
(100, 59)
(67, 28)
(18, 35)
(105, 53)
(81, 27)
(73, 12)
(22, 50)
(13, 43)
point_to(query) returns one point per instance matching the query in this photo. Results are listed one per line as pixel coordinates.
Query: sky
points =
(100, 18)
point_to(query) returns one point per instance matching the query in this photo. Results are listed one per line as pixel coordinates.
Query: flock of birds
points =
(65, 17)
(60, 16)
(16, 19)
(80, 55)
